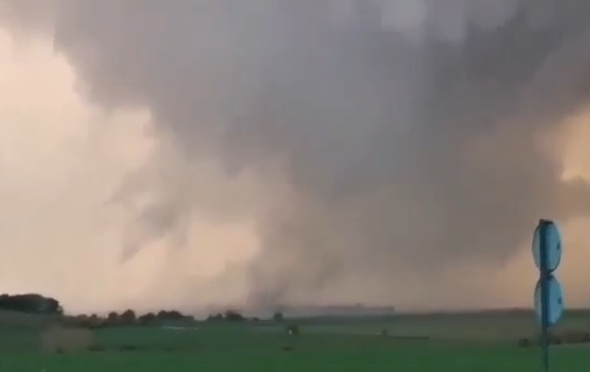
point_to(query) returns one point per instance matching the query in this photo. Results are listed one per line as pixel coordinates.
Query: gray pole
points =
(545, 274)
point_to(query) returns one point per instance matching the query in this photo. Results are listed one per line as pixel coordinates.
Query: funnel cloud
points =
(382, 151)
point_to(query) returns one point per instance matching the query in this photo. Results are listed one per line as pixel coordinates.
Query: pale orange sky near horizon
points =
(61, 159)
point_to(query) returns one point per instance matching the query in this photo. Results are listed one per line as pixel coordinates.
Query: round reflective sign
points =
(553, 245)
(554, 303)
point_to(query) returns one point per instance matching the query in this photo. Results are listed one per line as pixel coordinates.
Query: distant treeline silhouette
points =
(162, 317)
(33, 303)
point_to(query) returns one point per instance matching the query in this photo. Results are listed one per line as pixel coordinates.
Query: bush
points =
(562, 338)
(293, 330)
(554, 339)
(575, 337)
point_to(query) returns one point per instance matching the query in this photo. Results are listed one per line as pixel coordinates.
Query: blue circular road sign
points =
(553, 245)
(554, 301)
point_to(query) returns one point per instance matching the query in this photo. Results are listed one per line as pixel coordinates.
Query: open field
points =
(421, 343)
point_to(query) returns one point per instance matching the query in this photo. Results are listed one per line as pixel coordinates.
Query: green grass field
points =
(425, 343)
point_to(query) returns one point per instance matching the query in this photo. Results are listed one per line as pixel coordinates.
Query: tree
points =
(234, 316)
(147, 319)
(30, 303)
(278, 317)
(215, 317)
(170, 315)
(113, 319)
(95, 321)
(128, 317)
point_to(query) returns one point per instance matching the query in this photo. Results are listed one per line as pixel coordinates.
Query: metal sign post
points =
(544, 276)
(547, 248)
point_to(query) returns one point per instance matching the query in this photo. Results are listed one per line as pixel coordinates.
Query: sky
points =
(194, 154)
(61, 161)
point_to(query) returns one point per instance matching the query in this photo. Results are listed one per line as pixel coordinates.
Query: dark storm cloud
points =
(413, 148)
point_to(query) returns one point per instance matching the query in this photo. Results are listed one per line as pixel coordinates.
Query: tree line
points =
(33, 303)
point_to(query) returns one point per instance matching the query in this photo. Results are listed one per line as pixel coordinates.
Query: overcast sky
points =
(184, 154)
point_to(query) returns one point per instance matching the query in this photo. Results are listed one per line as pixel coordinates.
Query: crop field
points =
(420, 343)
